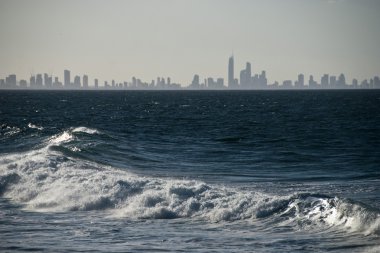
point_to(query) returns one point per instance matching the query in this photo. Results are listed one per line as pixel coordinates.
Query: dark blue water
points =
(232, 171)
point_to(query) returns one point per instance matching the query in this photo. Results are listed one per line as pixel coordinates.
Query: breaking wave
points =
(30, 125)
(44, 180)
(85, 130)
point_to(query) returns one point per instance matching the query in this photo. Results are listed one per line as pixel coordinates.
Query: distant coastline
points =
(248, 81)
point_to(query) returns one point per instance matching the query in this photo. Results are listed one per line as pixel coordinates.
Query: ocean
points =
(190, 171)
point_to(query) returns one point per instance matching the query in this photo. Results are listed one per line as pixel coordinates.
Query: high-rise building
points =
(287, 84)
(23, 84)
(231, 78)
(32, 81)
(248, 72)
(195, 83)
(48, 80)
(325, 81)
(300, 81)
(245, 76)
(243, 79)
(333, 82)
(354, 83)
(364, 84)
(341, 81)
(85, 81)
(57, 83)
(263, 82)
(11, 81)
(312, 83)
(67, 81)
(96, 83)
(376, 82)
(220, 83)
(77, 81)
(39, 81)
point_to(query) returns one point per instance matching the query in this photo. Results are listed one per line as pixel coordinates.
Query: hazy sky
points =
(179, 38)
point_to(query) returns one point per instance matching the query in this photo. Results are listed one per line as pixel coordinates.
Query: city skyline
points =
(249, 80)
(146, 38)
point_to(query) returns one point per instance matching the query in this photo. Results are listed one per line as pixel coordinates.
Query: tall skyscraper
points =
(32, 81)
(248, 73)
(48, 80)
(332, 82)
(231, 78)
(67, 78)
(263, 81)
(243, 79)
(39, 81)
(85, 81)
(312, 83)
(300, 81)
(245, 76)
(77, 81)
(195, 83)
(325, 81)
(341, 81)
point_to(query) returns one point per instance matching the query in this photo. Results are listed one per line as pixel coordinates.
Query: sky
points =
(119, 39)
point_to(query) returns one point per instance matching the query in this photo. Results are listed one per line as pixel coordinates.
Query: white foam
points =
(85, 130)
(10, 131)
(30, 125)
(66, 136)
(334, 212)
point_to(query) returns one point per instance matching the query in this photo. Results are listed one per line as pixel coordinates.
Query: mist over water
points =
(280, 171)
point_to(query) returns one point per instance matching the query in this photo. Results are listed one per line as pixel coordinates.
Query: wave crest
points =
(85, 130)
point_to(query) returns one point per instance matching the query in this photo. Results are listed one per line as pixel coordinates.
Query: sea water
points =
(190, 171)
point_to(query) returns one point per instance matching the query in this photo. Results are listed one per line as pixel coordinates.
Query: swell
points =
(45, 180)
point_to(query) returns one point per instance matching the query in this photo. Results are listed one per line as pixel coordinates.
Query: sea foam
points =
(43, 180)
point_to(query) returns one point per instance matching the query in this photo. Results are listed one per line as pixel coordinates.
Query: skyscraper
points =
(332, 82)
(231, 78)
(32, 81)
(195, 83)
(11, 81)
(263, 81)
(300, 81)
(325, 81)
(77, 81)
(48, 80)
(85, 81)
(67, 78)
(39, 81)
(341, 81)
(248, 73)
(245, 76)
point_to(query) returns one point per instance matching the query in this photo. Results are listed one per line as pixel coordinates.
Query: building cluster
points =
(251, 81)
(45, 81)
(248, 80)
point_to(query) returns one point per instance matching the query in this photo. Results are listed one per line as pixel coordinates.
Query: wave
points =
(68, 135)
(46, 181)
(8, 131)
(85, 130)
(30, 125)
